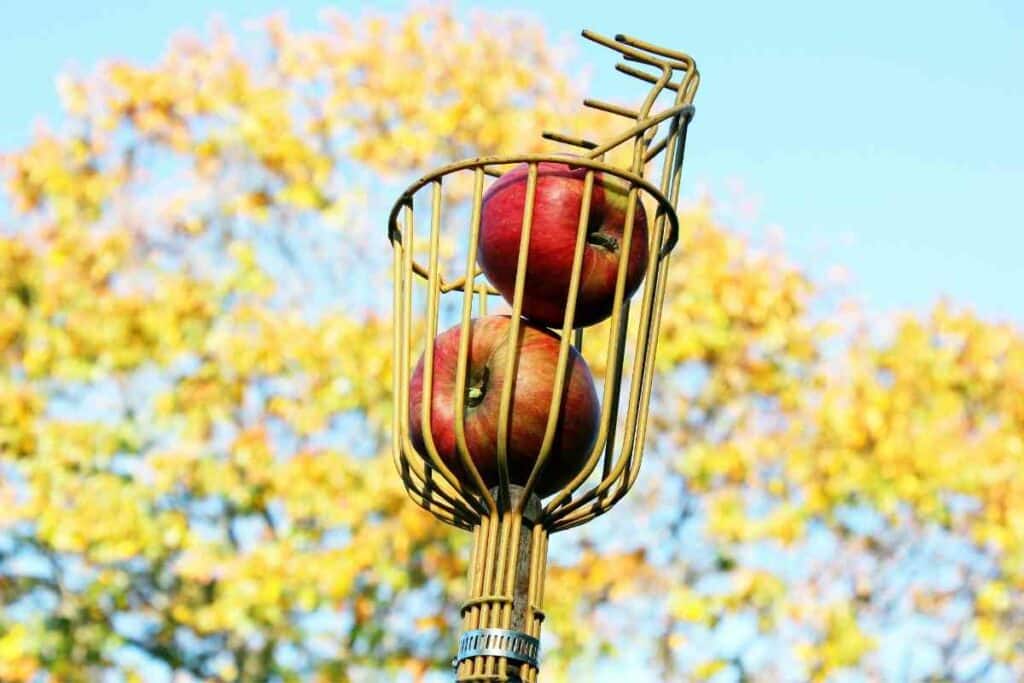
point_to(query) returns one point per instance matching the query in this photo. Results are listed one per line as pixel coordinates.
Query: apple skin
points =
(556, 216)
(575, 430)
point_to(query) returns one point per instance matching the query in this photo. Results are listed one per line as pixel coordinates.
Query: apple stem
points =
(475, 393)
(604, 241)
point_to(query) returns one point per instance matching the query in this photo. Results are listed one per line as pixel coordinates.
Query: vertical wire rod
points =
(465, 334)
(561, 365)
(512, 349)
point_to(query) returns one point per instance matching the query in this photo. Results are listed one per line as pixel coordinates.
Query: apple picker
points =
(499, 427)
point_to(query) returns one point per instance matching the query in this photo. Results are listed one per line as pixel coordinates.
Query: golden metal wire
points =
(509, 524)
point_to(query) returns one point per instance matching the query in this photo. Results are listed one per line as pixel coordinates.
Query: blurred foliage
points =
(194, 401)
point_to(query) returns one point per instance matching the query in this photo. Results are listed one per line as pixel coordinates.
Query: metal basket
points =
(503, 615)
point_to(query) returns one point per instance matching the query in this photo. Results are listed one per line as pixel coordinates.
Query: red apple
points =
(556, 216)
(532, 392)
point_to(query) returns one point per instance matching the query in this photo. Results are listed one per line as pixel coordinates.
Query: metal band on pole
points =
(499, 642)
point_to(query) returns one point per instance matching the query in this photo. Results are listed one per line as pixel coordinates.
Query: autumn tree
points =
(195, 385)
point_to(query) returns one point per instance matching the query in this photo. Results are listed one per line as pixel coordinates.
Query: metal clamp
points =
(499, 642)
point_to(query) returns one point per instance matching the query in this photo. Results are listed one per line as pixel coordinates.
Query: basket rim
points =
(405, 199)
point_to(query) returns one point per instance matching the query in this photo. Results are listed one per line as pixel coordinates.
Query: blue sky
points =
(881, 136)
